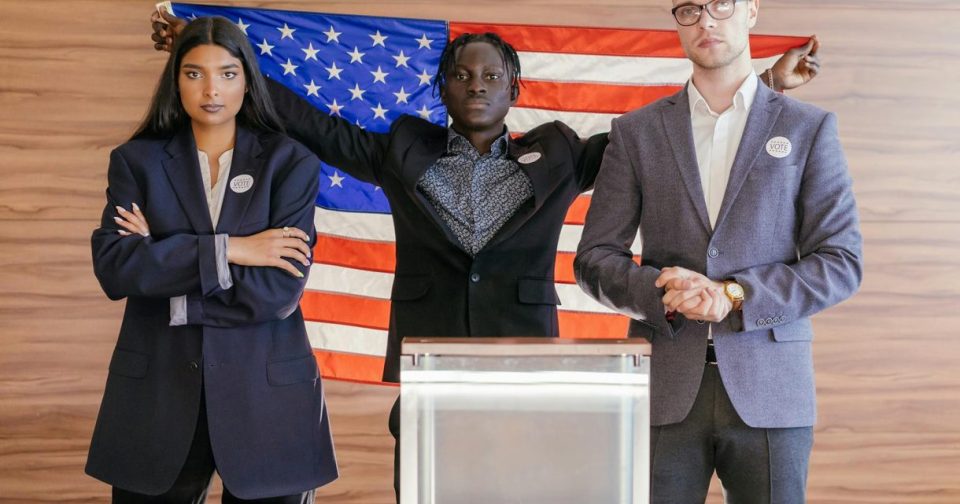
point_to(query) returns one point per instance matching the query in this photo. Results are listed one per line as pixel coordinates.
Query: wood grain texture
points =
(75, 78)
(894, 105)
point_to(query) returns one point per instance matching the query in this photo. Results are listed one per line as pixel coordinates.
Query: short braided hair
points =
(448, 59)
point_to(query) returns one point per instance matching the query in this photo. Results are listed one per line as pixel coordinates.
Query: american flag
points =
(370, 70)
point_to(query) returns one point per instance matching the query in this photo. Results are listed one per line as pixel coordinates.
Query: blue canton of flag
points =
(367, 70)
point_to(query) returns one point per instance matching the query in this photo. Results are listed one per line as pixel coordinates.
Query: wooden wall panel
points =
(895, 139)
(75, 77)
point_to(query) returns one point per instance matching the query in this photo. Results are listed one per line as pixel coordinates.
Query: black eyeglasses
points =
(689, 14)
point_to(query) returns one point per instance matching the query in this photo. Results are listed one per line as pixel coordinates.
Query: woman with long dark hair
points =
(207, 233)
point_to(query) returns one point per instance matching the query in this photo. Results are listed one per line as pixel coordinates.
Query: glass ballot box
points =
(524, 420)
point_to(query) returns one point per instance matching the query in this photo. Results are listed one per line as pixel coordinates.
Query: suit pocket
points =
(641, 329)
(800, 330)
(772, 169)
(410, 287)
(537, 291)
(129, 364)
(771, 190)
(299, 370)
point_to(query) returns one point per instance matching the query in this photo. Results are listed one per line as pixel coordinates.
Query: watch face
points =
(735, 290)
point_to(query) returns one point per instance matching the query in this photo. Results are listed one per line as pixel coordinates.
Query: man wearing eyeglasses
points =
(749, 227)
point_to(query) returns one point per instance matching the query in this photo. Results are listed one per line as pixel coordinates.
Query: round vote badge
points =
(241, 183)
(530, 157)
(779, 147)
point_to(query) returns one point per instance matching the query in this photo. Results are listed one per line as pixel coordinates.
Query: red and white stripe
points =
(582, 76)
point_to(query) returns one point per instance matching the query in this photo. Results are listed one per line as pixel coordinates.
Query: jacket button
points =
(193, 365)
(475, 277)
(713, 252)
(770, 321)
(761, 322)
(700, 322)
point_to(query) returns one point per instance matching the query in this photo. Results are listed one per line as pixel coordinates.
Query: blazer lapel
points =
(679, 132)
(763, 115)
(421, 156)
(534, 163)
(183, 170)
(246, 161)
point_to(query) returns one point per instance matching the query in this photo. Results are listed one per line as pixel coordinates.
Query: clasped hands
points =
(270, 247)
(693, 295)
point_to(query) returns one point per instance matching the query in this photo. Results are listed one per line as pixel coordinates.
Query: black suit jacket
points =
(507, 289)
(246, 346)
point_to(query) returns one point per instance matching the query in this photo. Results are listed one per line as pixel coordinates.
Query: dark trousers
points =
(194, 479)
(754, 465)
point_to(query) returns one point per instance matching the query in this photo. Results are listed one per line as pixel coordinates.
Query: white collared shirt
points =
(214, 194)
(716, 138)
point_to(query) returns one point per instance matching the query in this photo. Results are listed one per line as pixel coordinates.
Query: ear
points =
(753, 13)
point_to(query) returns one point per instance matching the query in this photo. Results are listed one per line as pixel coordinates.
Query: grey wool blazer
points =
(787, 231)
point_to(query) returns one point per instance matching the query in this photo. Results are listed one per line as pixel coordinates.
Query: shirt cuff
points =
(178, 311)
(224, 278)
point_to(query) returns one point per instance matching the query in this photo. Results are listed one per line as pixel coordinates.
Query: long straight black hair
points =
(167, 115)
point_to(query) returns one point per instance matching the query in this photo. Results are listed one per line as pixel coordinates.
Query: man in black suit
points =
(477, 214)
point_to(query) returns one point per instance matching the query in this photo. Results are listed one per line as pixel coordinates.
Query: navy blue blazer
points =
(245, 346)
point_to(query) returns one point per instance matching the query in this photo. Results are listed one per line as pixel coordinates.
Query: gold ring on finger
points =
(286, 231)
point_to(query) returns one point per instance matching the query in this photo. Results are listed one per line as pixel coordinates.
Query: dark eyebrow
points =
(198, 67)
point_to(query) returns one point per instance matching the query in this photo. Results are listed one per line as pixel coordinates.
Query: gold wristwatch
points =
(734, 292)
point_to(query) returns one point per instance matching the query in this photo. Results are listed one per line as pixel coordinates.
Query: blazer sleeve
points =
(604, 265)
(587, 154)
(144, 266)
(260, 293)
(829, 267)
(334, 140)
